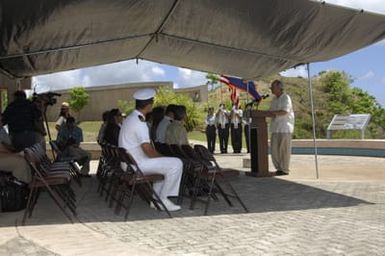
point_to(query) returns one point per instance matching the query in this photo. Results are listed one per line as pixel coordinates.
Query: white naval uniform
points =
(133, 133)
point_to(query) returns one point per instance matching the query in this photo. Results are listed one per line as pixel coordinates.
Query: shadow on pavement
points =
(259, 195)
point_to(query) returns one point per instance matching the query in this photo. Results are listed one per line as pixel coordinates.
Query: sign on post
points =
(349, 122)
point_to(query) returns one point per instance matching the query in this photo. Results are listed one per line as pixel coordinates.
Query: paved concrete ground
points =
(342, 213)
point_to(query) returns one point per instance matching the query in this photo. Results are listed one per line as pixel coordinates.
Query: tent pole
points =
(313, 120)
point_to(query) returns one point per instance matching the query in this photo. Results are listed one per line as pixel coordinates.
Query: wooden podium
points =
(259, 145)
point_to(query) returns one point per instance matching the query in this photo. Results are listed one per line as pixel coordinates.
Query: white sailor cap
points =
(144, 94)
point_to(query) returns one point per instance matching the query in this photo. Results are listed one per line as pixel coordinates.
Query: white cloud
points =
(54, 81)
(116, 73)
(295, 72)
(158, 71)
(381, 43)
(370, 74)
(187, 77)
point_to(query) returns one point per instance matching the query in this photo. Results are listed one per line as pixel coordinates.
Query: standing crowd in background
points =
(229, 125)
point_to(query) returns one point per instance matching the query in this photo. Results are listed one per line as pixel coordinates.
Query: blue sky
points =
(365, 66)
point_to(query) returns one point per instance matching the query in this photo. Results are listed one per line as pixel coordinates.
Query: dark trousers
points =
(236, 138)
(211, 134)
(25, 139)
(223, 134)
(247, 137)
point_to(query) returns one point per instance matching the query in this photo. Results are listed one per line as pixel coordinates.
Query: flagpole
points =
(248, 119)
(313, 120)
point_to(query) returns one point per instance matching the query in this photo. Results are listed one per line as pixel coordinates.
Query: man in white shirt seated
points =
(166, 121)
(134, 136)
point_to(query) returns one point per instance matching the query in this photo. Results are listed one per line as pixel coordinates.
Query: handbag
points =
(13, 194)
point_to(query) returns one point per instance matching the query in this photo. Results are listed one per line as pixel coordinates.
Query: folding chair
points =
(191, 168)
(133, 180)
(61, 163)
(110, 170)
(57, 185)
(54, 170)
(214, 171)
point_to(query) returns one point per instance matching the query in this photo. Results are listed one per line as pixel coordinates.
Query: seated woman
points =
(111, 132)
(11, 161)
(176, 133)
(100, 138)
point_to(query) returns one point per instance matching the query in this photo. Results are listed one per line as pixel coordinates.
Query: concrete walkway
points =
(341, 213)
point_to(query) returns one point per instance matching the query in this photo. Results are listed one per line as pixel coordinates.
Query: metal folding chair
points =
(134, 181)
(57, 184)
(213, 171)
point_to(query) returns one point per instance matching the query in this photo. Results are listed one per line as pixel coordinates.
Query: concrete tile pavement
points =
(293, 215)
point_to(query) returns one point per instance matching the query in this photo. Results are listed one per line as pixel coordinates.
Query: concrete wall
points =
(103, 98)
(197, 93)
(373, 148)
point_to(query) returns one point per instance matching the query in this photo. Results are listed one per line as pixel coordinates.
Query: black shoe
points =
(280, 173)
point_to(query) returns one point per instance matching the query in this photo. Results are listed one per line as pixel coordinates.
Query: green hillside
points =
(332, 94)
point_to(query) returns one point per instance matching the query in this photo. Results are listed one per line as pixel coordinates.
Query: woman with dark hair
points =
(156, 116)
(100, 138)
(176, 133)
(114, 121)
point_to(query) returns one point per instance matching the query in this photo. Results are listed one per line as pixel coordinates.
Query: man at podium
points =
(282, 127)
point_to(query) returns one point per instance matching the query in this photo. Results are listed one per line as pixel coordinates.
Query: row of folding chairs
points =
(54, 177)
(120, 179)
(203, 178)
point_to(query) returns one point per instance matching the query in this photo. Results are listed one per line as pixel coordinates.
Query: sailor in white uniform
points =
(134, 136)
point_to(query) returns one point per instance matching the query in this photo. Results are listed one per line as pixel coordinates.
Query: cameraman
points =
(24, 122)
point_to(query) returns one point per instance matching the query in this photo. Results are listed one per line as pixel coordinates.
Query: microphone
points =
(264, 96)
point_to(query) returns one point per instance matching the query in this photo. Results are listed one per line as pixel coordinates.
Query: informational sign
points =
(349, 122)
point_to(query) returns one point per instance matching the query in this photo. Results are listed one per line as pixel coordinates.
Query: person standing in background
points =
(236, 128)
(222, 121)
(63, 115)
(246, 118)
(211, 132)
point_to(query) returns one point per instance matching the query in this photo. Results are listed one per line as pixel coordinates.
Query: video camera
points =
(48, 98)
